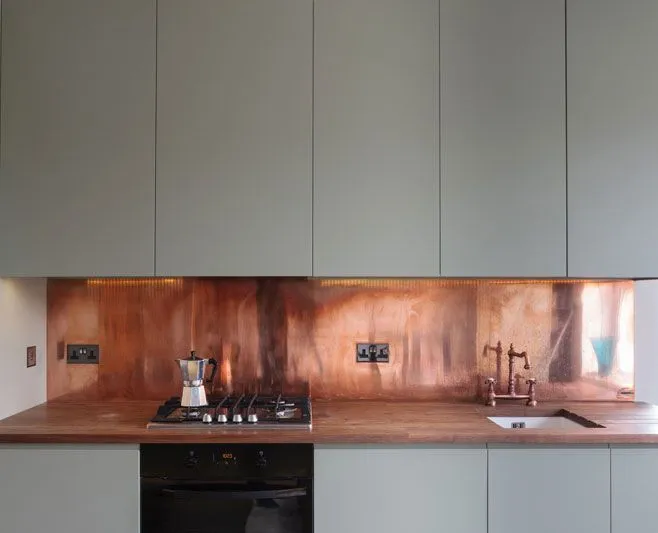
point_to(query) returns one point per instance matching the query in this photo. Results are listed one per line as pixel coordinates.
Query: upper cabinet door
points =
(376, 192)
(613, 129)
(503, 143)
(78, 142)
(234, 138)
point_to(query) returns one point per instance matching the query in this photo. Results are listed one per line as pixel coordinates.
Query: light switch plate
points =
(31, 356)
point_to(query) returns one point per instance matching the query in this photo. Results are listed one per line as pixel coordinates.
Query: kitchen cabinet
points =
(634, 473)
(390, 489)
(234, 138)
(612, 130)
(503, 138)
(77, 151)
(548, 489)
(376, 184)
(69, 488)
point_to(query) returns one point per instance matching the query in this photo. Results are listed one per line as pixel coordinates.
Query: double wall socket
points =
(372, 353)
(82, 354)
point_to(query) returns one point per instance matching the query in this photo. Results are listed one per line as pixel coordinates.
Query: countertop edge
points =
(390, 440)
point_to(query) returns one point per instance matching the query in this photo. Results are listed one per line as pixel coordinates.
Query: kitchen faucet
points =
(512, 355)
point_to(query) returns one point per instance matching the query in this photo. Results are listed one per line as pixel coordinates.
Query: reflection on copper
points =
(226, 376)
(297, 335)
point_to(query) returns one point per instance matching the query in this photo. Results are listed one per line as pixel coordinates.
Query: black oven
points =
(226, 488)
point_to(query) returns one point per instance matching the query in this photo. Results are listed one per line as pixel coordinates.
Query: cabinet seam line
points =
(566, 138)
(610, 494)
(155, 147)
(487, 491)
(313, 139)
(437, 126)
(2, 33)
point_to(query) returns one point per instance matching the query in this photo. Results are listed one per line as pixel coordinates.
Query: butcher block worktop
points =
(337, 422)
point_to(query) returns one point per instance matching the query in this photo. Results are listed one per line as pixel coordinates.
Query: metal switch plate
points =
(372, 353)
(82, 354)
(31, 356)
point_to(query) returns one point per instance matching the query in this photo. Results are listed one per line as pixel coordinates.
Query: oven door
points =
(221, 507)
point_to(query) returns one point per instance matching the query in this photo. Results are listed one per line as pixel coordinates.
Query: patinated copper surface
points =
(298, 336)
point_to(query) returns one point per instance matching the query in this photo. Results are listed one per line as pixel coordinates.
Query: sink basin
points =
(560, 420)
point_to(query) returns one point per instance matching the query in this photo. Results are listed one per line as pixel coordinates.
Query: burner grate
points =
(237, 411)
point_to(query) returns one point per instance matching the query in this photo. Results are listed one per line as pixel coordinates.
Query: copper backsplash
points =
(298, 335)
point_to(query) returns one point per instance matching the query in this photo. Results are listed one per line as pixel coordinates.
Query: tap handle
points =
(491, 392)
(532, 393)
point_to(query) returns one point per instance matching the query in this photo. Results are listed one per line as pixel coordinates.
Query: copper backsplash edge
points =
(298, 335)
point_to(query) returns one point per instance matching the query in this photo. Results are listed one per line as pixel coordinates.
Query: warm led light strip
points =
(384, 283)
(132, 282)
(393, 283)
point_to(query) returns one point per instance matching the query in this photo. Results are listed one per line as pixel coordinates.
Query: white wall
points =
(22, 324)
(646, 341)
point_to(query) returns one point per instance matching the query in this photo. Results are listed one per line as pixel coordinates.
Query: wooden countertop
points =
(339, 422)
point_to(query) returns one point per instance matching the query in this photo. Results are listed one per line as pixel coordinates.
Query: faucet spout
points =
(521, 355)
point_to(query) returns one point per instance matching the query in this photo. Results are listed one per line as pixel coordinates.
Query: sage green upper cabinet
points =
(376, 188)
(613, 134)
(77, 151)
(503, 144)
(234, 138)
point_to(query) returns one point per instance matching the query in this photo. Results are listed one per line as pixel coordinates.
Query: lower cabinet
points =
(69, 488)
(360, 488)
(634, 472)
(549, 489)
(410, 489)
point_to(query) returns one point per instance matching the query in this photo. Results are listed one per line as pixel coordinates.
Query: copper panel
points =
(299, 336)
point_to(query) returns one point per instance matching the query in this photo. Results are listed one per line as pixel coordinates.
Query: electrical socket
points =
(31, 356)
(82, 354)
(372, 352)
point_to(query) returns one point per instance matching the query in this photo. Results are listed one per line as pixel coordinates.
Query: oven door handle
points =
(214, 495)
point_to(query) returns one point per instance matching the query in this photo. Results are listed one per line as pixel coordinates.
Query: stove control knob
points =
(261, 461)
(207, 419)
(252, 418)
(237, 418)
(191, 460)
(222, 418)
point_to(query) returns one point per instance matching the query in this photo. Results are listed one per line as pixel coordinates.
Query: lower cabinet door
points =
(407, 489)
(69, 488)
(634, 473)
(549, 489)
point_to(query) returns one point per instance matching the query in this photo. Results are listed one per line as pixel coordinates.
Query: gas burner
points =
(285, 413)
(245, 411)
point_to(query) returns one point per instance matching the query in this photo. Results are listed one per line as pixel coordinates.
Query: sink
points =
(560, 420)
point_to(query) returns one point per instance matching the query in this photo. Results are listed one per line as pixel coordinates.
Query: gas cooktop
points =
(236, 412)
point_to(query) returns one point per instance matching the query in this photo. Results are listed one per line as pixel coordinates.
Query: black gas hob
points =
(236, 411)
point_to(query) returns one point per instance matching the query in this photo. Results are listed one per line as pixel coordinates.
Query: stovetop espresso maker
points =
(194, 383)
